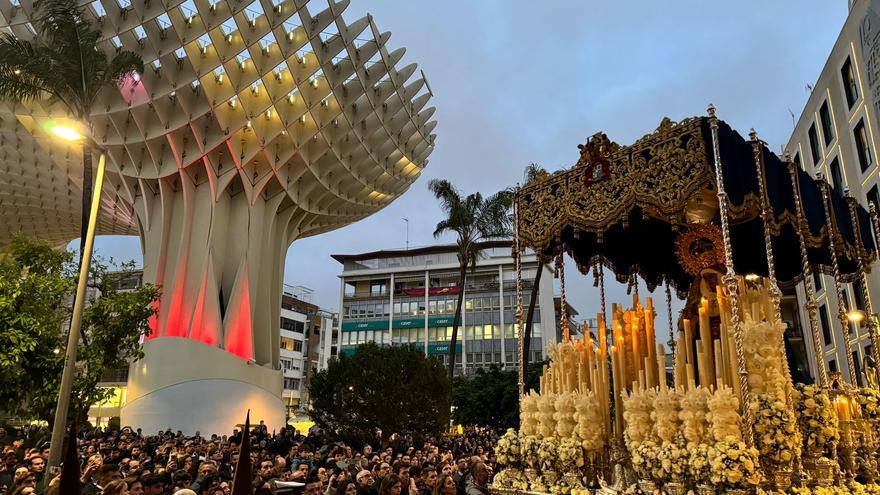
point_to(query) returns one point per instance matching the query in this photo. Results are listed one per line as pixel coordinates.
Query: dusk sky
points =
(519, 81)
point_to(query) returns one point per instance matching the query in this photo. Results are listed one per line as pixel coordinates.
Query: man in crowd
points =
(364, 480)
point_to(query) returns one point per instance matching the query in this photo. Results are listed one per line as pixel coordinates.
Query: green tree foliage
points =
(37, 283)
(489, 397)
(393, 389)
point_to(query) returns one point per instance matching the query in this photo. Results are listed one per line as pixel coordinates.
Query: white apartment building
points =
(384, 299)
(836, 136)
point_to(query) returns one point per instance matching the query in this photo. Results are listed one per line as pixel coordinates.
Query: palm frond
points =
(445, 192)
(533, 171)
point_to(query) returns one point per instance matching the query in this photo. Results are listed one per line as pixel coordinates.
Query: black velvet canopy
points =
(625, 206)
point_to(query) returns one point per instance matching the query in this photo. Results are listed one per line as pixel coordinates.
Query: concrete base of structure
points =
(186, 385)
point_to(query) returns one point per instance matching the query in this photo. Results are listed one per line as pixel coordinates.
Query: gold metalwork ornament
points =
(699, 247)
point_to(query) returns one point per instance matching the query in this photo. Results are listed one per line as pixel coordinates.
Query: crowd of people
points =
(130, 462)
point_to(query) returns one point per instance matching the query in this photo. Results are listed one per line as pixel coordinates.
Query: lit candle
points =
(706, 337)
(661, 366)
(842, 406)
(688, 344)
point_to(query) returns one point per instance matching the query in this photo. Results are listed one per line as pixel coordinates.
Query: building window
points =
(850, 87)
(285, 363)
(827, 127)
(836, 175)
(858, 366)
(797, 161)
(864, 152)
(377, 288)
(874, 198)
(291, 325)
(832, 366)
(858, 296)
(291, 383)
(826, 327)
(289, 344)
(817, 279)
(814, 145)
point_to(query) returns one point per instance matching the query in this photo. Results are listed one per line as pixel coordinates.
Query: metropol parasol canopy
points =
(255, 123)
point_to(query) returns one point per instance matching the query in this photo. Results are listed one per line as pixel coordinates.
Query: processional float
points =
(727, 225)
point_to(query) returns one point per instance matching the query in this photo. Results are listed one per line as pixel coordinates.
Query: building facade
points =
(308, 336)
(383, 299)
(836, 138)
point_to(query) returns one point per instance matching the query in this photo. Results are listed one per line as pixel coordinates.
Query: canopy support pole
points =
(766, 219)
(863, 275)
(838, 288)
(730, 282)
(517, 255)
(563, 304)
(671, 342)
(599, 274)
(812, 307)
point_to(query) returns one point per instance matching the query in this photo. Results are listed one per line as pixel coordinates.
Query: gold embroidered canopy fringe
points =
(623, 206)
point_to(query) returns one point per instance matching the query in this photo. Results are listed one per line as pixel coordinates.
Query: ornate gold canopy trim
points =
(658, 173)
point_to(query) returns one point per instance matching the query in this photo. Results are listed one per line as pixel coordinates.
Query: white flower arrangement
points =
(671, 462)
(565, 414)
(698, 464)
(665, 415)
(529, 448)
(508, 450)
(546, 415)
(817, 419)
(571, 455)
(693, 415)
(638, 424)
(733, 465)
(644, 458)
(764, 357)
(590, 426)
(548, 454)
(528, 414)
(724, 418)
(776, 434)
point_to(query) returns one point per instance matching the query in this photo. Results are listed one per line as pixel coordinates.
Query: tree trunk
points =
(457, 320)
(527, 331)
(86, 198)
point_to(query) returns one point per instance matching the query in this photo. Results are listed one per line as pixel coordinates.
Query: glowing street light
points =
(65, 131)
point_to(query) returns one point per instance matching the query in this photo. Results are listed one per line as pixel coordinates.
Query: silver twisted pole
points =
(766, 219)
(863, 272)
(730, 282)
(563, 310)
(517, 259)
(831, 222)
(600, 276)
(812, 307)
(669, 315)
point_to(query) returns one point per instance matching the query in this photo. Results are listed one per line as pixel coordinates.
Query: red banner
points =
(433, 291)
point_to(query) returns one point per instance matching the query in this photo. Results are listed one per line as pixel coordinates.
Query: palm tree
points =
(63, 63)
(474, 220)
(533, 173)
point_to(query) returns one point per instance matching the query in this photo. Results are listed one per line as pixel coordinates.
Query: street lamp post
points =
(58, 427)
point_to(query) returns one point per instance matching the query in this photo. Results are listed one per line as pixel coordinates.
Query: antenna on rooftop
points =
(405, 219)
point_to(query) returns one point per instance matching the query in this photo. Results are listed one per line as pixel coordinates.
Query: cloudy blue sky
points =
(519, 81)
